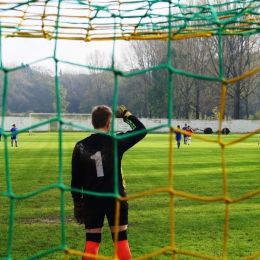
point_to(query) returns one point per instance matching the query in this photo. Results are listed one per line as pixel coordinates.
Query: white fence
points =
(158, 125)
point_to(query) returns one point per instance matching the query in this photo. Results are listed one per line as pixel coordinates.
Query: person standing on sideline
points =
(185, 135)
(178, 137)
(0, 134)
(190, 130)
(14, 137)
(93, 170)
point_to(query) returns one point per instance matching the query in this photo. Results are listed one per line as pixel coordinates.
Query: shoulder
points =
(80, 142)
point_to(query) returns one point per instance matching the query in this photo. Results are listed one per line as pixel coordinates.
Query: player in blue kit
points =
(93, 169)
(14, 137)
(178, 137)
(185, 135)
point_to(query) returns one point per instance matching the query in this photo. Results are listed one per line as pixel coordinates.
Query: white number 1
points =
(99, 165)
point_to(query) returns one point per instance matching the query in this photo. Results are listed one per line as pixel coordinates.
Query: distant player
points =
(0, 134)
(178, 137)
(184, 135)
(14, 137)
(190, 130)
(93, 169)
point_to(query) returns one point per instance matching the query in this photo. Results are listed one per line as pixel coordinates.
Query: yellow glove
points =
(122, 112)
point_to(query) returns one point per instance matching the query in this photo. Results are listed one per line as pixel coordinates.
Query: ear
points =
(108, 124)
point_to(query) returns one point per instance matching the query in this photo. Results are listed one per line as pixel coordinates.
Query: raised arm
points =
(134, 123)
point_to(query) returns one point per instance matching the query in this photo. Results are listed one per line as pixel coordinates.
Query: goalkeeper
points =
(93, 169)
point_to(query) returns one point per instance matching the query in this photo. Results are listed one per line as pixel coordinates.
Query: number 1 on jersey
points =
(99, 166)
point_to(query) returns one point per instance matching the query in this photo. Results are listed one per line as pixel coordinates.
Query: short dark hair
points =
(100, 116)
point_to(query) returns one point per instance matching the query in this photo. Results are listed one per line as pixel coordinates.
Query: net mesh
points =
(130, 20)
(127, 20)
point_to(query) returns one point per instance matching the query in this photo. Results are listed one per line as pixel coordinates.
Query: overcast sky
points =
(29, 50)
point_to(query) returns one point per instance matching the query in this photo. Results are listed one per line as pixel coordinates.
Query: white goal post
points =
(40, 122)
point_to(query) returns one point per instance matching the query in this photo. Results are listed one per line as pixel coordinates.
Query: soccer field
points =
(38, 183)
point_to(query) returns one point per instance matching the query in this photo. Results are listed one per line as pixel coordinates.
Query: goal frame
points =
(45, 122)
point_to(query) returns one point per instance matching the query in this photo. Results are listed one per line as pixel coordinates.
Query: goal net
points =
(213, 25)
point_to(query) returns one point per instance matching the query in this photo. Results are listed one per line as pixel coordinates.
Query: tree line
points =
(152, 79)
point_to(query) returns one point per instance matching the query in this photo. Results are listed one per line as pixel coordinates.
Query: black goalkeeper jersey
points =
(93, 166)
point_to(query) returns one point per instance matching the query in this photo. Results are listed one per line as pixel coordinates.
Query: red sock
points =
(91, 248)
(123, 250)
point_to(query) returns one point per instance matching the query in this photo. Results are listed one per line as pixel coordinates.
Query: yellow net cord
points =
(127, 20)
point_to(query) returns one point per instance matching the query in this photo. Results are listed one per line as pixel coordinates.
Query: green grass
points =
(198, 226)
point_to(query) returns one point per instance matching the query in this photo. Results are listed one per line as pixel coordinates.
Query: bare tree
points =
(240, 55)
(234, 55)
(101, 76)
(188, 56)
(143, 55)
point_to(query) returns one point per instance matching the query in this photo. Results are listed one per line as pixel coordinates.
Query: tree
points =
(143, 55)
(188, 56)
(32, 90)
(101, 87)
(240, 55)
(76, 86)
(29, 90)
(62, 92)
(158, 94)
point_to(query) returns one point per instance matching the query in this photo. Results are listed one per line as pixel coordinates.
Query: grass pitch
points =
(32, 191)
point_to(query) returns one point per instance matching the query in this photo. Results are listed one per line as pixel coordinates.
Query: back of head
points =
(100, 116)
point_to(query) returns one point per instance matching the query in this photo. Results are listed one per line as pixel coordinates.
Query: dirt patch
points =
(45, 220)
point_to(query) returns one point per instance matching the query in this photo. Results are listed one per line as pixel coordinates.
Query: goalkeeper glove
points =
(122, 112)
(78, 211)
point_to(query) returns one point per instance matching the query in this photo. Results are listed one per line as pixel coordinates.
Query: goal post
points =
(45, 122)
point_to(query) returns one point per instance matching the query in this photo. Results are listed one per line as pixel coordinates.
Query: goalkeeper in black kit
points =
(93, 169)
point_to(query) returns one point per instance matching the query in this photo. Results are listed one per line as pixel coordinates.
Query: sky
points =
(16, 51)
(30, 51)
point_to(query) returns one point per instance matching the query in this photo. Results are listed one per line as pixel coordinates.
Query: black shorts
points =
(95, 219)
